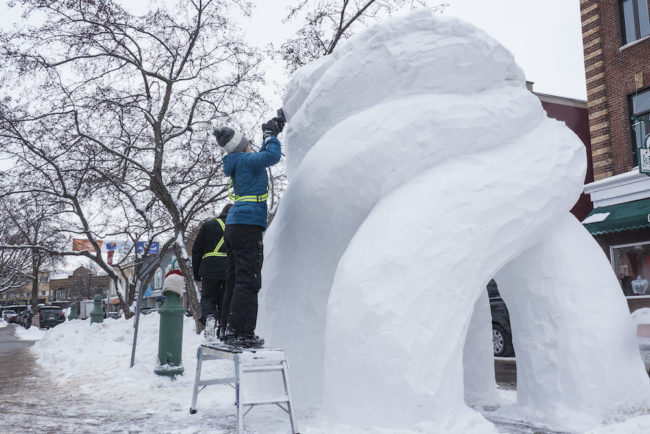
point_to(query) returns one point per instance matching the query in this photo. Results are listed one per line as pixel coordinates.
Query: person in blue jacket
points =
(245, 227)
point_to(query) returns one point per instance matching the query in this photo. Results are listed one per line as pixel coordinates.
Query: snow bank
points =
(30, 334)
(90, 359)
(635, 425)
(420, 167)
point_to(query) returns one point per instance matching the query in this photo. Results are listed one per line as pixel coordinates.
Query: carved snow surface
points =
(421, 167)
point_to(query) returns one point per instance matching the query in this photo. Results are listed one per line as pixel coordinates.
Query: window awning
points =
(619, 217)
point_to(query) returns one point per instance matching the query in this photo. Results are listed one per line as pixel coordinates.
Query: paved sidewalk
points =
(30, 403)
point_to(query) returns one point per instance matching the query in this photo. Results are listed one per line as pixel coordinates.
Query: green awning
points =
(619, 217)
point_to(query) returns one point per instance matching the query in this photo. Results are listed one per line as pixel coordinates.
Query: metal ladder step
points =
(277, 400)
(261, 368)
(263, 360)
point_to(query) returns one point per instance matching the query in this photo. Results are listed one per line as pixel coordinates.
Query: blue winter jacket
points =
(249, 177)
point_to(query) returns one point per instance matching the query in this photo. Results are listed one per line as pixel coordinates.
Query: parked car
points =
(114, 315)
(25, 318)
(9, 315)
(147, 310)
(501, 331)
(49, 316)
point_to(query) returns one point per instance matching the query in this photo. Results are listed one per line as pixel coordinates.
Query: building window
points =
(631, 263)
(158, 279)
(639, 106)
(635, 20)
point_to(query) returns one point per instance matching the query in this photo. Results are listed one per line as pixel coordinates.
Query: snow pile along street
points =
(92, 360)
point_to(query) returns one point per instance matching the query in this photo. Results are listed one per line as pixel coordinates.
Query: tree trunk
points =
(190, 287)
(35, 269)
(36, 265)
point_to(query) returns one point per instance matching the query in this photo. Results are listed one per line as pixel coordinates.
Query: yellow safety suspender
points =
(251, 198)
(216, 251)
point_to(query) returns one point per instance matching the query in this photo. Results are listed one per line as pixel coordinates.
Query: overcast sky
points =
(544, 36)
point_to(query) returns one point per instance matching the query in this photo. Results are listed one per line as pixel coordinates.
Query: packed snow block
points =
(478, 362)
(420, 167)
(578, 363)
(400, 58)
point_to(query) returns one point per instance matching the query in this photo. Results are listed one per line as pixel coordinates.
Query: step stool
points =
(246, 361)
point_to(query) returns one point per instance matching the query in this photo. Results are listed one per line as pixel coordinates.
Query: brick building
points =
(616, 43)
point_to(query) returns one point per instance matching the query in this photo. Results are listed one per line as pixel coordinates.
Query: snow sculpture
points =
(420, 167)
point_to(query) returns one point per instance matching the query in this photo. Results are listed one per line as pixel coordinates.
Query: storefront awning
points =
(619, 217)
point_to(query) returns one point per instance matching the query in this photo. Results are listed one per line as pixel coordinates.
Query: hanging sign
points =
(79, 244)
(644, 157)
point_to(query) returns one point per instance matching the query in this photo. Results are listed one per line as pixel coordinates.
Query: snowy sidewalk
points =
(75, 378)
(91, 396)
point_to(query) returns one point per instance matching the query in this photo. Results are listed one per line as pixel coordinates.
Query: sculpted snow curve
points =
(420, 166)
(385, 63)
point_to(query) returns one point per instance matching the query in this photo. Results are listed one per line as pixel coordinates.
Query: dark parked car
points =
(25, 318)
(501, 332)
(148, 310)
(49, 316)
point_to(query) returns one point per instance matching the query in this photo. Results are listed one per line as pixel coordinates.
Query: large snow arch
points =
(420, 167)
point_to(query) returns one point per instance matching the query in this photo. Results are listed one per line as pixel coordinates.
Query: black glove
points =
(270, 128)
(280, 122)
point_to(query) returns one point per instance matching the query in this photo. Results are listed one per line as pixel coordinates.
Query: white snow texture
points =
(420, 167)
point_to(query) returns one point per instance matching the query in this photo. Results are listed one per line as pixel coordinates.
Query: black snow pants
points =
(212, 292)
(243, 243)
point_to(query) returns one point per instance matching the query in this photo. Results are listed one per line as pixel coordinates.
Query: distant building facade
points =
(22, 296)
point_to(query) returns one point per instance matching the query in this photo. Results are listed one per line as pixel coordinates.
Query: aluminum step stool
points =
(246, 361)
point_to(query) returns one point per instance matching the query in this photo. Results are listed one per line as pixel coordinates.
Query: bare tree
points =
(32, 225)
(327, 22)
(14, 264)
(124, 113)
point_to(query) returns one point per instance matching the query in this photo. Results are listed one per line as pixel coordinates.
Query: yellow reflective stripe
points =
(216, 251)
(207, 255)
(250, 198)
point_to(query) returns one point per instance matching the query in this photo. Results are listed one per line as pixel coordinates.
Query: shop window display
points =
(632, 266)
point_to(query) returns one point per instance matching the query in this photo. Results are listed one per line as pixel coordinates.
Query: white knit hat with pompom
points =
(174, 282)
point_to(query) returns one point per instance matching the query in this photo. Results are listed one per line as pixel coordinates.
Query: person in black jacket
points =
(209, 265)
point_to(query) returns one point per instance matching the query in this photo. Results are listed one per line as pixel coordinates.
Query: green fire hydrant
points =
(73, 312)
(97, 314)
(170, 340)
